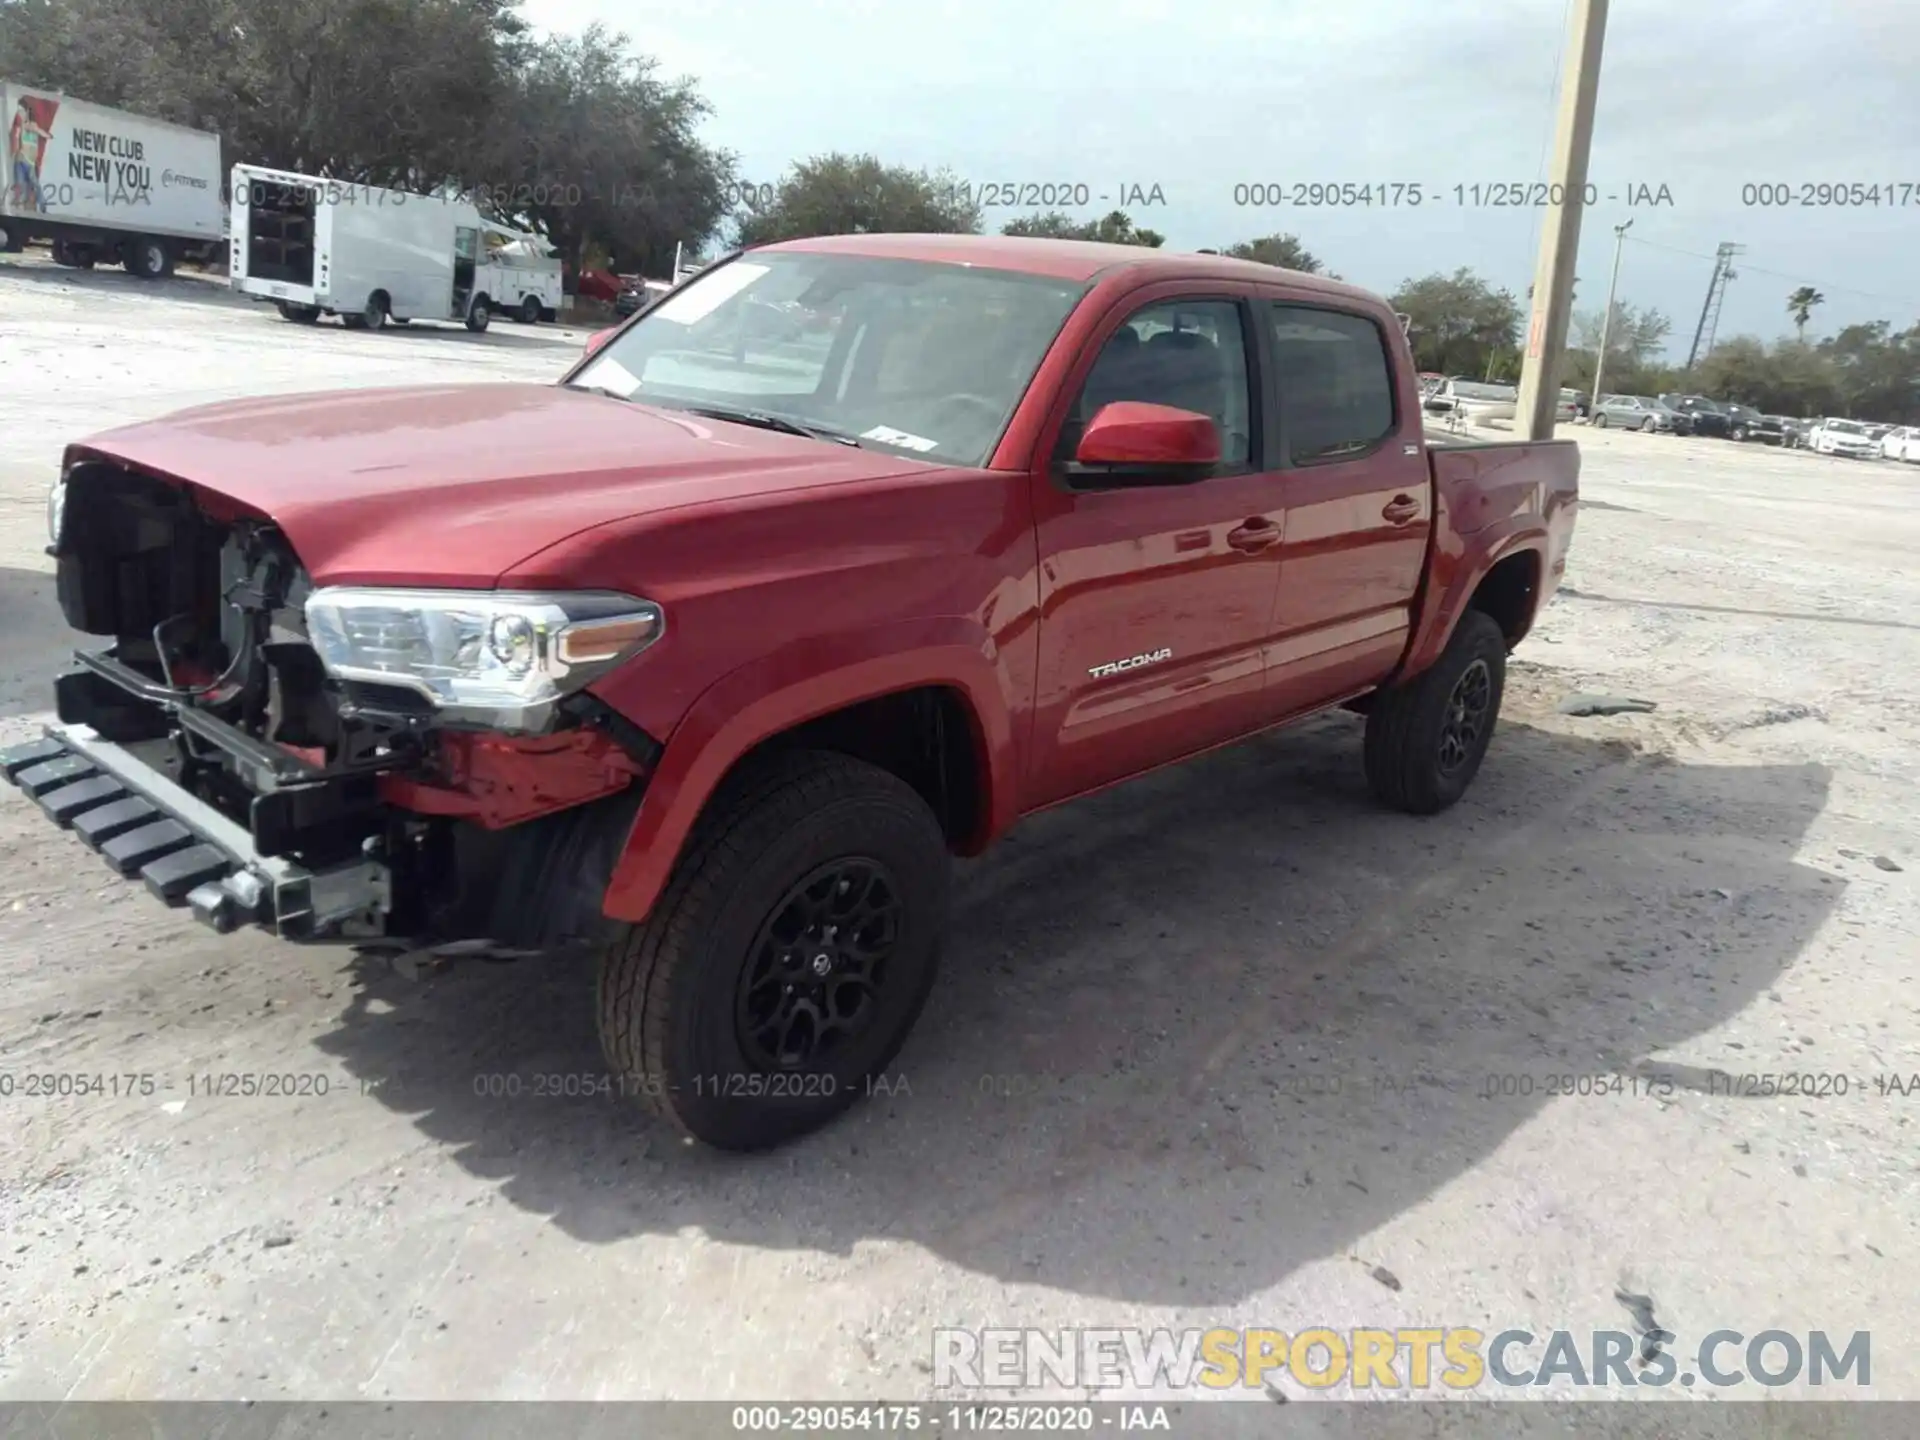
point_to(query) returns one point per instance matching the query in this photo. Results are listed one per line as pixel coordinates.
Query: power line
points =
(1747, 269)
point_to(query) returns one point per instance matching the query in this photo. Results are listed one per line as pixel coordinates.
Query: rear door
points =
(1156, 602)
(1358, 503)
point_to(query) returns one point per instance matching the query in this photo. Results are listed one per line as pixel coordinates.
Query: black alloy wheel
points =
(814, 974)
(1468, 709)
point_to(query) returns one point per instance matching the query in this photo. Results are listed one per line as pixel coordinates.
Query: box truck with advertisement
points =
(315, 246)
(107, 186)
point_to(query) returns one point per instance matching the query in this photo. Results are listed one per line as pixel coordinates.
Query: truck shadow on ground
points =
(1193, 1033)
(204, 287)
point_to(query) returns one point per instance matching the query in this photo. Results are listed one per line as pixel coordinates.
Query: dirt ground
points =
(1214, 1049)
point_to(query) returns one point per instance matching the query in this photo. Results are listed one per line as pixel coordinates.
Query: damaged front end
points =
(338, 762)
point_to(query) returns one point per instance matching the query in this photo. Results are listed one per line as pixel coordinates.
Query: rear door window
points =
(1334, 381)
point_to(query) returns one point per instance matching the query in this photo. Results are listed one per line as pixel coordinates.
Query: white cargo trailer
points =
(314, 246)
(105, 185)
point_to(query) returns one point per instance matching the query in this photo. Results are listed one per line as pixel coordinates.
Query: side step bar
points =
(145, 825)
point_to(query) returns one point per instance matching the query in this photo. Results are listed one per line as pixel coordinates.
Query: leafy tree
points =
(575, 135)
(1115, 228)
(855, 194)
(1634, 342)
(1285, 251)
(1800, 305)
(597, 150)
(1461, 325)
(1875, 370)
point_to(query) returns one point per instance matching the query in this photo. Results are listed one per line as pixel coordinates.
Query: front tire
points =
(479, 314)
(1426, 738)
(1599, 422)
(788, 958)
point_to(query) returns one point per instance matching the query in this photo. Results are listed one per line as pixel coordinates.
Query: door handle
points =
(1400, 509)
(1254, 534)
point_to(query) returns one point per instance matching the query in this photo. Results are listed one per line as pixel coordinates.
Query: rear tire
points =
(374, 315)
(1426, 738)
(76, 257)
(148, 258)
(530, 310)
(788, 958)
(299, 314)
(479, 314)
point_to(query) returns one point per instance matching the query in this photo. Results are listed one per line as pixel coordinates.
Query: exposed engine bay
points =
(421, 828)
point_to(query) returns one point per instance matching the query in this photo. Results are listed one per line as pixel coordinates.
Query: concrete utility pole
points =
(1606, 320)
(1560, 229)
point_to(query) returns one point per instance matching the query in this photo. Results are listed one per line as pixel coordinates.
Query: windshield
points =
(923, 359)
(1846, 427)
(1470, 390)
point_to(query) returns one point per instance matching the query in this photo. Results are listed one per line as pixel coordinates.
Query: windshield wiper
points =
(762, 420)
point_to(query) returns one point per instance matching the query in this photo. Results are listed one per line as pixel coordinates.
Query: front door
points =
(1358, 508)
(1155, 602)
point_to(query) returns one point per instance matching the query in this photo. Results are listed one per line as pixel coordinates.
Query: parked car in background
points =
(595, 284)
(637, 294)
(1902, 443)
(1475, 401)
(1632, 412)
(1749, 424)
(1704, 416)
(1793, 431)
(1834, 436)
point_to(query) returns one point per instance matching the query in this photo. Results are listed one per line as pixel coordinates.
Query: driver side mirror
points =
(1133, 443)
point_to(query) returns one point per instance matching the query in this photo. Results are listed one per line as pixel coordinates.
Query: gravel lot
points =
(1207, 1050)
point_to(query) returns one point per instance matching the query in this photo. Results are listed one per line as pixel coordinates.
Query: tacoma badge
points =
(1115, 667)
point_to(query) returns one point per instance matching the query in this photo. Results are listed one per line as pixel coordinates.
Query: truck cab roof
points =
(1081, 260)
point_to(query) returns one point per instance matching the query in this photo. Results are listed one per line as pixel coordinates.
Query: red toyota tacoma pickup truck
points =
(829, 566)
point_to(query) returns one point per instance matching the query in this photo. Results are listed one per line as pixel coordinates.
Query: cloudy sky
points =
(1200, 96)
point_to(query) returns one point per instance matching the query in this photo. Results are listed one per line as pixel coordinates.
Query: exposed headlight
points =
(56, 509)
(494, 656)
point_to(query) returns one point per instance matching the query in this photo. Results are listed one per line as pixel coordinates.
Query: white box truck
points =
(314, 246)
(106, 185)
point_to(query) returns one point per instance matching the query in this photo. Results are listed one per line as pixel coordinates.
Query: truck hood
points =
(454, 485)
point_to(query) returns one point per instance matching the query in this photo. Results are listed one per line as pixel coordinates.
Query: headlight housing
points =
(493, 657)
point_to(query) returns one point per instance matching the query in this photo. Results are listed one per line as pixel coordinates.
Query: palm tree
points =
(1800, 305)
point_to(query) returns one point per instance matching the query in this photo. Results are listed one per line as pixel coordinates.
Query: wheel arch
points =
(935, 713)
(1504, 577)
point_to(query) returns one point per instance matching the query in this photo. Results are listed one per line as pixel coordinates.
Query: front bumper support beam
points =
(145, 825)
